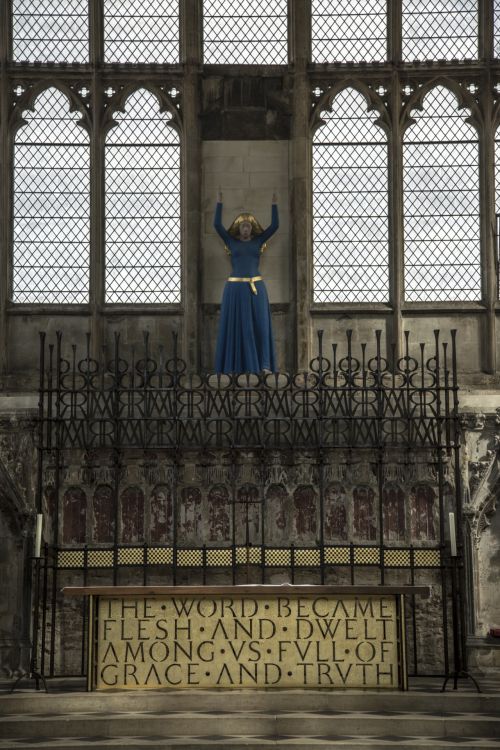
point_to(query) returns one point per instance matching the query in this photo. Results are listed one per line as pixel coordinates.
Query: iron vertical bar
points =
(439, 448)
(458, 501)
(116, 451)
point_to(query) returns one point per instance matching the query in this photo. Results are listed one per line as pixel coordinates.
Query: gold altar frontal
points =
(247, 637)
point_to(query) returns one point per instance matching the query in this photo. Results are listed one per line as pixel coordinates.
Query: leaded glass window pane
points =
(440, 29)
(345, 32)
(496, 28)
(350, 226)
(245, 32)
(141, 31)
(50, 30)
(143, 212)
(51, 204)
(441, 203)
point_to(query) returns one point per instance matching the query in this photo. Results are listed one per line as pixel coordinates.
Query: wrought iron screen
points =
(51, 204)
(245, 32)
(440, 30)
(151, 474)
(141, 31)
(350, 205)
(143, 205)
(441, 203)
(344, 31)
(50, 31)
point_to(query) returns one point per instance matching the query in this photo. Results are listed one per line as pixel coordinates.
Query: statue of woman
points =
(245, 339)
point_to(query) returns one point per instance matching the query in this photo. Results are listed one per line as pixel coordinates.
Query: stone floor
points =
(67, 717)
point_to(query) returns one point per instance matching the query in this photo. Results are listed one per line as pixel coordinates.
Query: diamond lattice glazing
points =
(350, 229)
(441, 203)
(245, 32)
(343, 32)
(141, 31)
(496, 28)
(51, 205)
(143, 205)
(440, 29)
(50, 31)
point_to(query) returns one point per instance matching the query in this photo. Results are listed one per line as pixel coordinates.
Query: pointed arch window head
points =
(143, 211)
(141, 31)
(48, 31)
(51, 204)
(343, 33)
(441, 203)
(350, 204)
(440, 29)
(245, 32)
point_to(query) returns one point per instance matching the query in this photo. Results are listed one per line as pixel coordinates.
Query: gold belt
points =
(250, 279)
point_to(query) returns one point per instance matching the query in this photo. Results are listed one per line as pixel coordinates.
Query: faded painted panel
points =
(394, 513)
(276, 516)
(74, 516)
(132, 514)
(103, 527)
(189, 513)
(161, 514)
(422, 503)
(218, 515)
(335, 508)
(248, 514)
(304, 501)
(365, 527)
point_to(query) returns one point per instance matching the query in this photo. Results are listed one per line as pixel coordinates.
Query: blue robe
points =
(245, 339)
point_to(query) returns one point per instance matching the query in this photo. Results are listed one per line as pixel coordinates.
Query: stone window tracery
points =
(143, 205)
(51, 209)
(441, 203)
(350, 204)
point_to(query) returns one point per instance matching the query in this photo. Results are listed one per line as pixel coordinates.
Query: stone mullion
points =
(6, 182)
(191, 50)
(394, 30)
(301, 180)
(396, 216)
(485, 46)
(97, 166)
(487, 222)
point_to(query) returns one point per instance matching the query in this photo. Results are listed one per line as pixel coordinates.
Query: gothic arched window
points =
(343, 32)
(350, 225)
(143, 207)
(441, 203)
(51, 224)
(245, 32)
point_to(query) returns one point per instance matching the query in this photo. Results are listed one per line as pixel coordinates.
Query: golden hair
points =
(234, 229)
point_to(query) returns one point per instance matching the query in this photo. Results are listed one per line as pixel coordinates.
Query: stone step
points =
(166, 743)
(190, 724)
(174, 700)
